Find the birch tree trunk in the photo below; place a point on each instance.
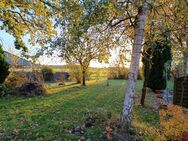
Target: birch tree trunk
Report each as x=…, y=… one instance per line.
x=126, y=114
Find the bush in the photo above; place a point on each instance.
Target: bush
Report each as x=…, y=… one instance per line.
x=18, y=78
x=4, y=66
x=15, y=79
x=7, y=91
x=23, y=84
x=47, y=73
x=3, y=90
x=74, y=72
x=118, y=73
x=122, y=73
x=32, y=89
x=27, y=89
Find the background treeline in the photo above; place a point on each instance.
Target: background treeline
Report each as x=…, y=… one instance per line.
x=122, y=73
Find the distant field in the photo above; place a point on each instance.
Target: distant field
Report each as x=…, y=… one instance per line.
x=51, y=117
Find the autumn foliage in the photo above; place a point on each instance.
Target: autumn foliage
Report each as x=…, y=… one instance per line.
x=174, y=123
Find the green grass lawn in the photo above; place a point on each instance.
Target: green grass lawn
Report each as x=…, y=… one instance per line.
x=50, y=117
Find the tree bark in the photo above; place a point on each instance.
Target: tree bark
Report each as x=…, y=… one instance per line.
x=144, y=89
x=126, y=114
x=83, y=77
x=146, y=77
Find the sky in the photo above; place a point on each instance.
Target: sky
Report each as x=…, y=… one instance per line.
x=7, y=41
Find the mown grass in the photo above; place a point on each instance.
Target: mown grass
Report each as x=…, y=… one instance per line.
x=50, y=117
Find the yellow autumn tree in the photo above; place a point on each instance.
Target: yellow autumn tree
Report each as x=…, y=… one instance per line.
x=25, y=17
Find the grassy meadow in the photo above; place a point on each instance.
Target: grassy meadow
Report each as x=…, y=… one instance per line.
x=53, y=116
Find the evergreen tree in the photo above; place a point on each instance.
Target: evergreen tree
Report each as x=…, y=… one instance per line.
x=4, y=66
x=155, y=60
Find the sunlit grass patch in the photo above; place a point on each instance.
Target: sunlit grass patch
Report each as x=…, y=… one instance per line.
x=53, y=88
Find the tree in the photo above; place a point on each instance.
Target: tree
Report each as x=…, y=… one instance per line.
x=4, y=66
x=82, y=38
x=129, y=17
x=172, y=14
x=180, y=31
x=157, y=62
x=90, y=46
x=22, y=17
x=126, y=115
x=169, y=15
x=161, y=57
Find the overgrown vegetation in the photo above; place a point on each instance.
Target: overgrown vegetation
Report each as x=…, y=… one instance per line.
x=74, y=72
x=122, y=73
x=47, y=73
x=7, y=91
x=15, y=79
x=20, y=83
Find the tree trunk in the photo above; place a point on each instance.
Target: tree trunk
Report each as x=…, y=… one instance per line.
x=146, y=77
x=126, y=114
x=83, y=77
x=143, y=93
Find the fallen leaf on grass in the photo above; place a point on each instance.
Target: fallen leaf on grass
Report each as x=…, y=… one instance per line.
x=109, y=132
x=21, y=120
x=82, y=138
x=15, y=132
x=1, y=134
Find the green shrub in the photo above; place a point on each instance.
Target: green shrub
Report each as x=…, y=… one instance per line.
x=74, y=72
x=17, y=78
x=118, y=73
x=47, y=73
x=32, y=89
x=7, y=91
x=4, y=66
x=3, y=90
x=122, y=73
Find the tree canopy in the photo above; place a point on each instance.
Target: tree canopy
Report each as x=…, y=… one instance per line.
x=22, y=17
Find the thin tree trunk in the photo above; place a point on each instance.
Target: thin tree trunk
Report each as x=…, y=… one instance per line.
x=185, y=59
x=83, y=77
x=126, y=115
x=146, y=77
x=143, y=93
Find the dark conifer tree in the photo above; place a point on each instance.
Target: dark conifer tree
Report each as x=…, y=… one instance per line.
x=156, y=56
x=4, y=66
